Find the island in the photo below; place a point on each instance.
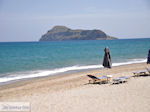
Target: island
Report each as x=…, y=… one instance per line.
x=61, y=33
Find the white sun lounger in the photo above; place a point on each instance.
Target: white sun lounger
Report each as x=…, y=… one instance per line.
x=122, y=79
x=140, y=73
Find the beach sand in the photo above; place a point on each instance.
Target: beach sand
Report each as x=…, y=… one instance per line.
x=72, y=93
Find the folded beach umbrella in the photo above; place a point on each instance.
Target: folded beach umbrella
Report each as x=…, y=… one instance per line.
x=107, y=58
x=148, y=58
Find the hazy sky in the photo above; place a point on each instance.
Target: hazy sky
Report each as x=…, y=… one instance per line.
x=27, y=20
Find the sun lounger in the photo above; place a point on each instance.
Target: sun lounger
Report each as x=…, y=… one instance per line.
x=100, y=80
x=122, y=79
x=140, y=73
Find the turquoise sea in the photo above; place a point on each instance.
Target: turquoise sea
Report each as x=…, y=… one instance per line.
x=22, y=60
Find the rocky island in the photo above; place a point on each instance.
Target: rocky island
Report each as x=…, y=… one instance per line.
x=60, y=33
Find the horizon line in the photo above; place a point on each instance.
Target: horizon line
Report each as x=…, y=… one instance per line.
x=69, y=40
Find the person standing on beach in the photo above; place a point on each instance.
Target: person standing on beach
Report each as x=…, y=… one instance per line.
x=148, y=58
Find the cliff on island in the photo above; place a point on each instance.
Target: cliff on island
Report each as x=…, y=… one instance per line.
x=60, y=33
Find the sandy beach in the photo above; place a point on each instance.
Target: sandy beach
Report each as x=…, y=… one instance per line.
x=72, y=93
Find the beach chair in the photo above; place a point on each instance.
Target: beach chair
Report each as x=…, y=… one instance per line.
x=100, y=80
x=121, y=79
x=140, y=73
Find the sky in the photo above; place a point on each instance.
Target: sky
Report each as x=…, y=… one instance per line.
x=28, y=20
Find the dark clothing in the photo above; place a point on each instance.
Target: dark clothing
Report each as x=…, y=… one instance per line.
x=107, y=59
x=148, y=58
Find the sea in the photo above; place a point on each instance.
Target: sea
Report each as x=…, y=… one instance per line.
x=26, y=60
